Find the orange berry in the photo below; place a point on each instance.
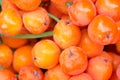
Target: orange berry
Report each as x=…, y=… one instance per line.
x=107, y=55
x=91, y=49
x=6, y=56
x=81, y=12
x=7, y=75
x=53, y=10
x=10, y=22
x=109, y=8
x=30, y=73
x=100, y=68
x=22, y=57
x=7, y=4
x=102, y=30
x=45, y=54
x=66, y=34
x=73, y=60
x=61, y=5
x=26, y=5
x=36, y=21
x=56, y=73
x=14, y=42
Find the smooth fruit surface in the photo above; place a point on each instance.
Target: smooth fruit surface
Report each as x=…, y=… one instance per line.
x=28, y=5
x=30, y=73
x=45, y=54
x=73, y=60
x=10, y=22
x=102, y=30
x=66, y=34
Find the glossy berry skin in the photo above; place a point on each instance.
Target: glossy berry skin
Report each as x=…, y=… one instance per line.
x=26, y=5
x=36, y=21
x=7, y=75
x=10, y=22
x=102, y=30
x=109, y=8
x=66, y=34
x=30, y=73
x=81, y=12
x=73, y=60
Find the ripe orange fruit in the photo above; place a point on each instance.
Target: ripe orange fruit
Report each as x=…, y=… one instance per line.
x=102, y=30
x=6, y=56
x=14, y=42
x=100, y=68
x=45, y=54
x=56, y=73
x=107, y=55
x=53, y=10
x=66, y=34
x=7, y=75
x=10, y=22
x=30, y=73
x=91, y=49
x=22, y=57
x=36, y=21
x=7, y=4
x=109, y=8
x=81, y=12
x=82, y=76
x=28, y=5
x=73, y=60
x=61, y=5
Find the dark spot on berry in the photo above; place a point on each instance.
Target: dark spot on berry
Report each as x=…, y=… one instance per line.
x=45, y=23
x=70, y=53
x=67, y=22
x=35, y=58
x=106, y=60
x=107, y=36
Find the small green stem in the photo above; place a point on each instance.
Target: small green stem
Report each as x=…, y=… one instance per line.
x=17, y=76
x=45, y=34
x=69, y=3
x=0, y=2
x=53, y=17
x=0, y=5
